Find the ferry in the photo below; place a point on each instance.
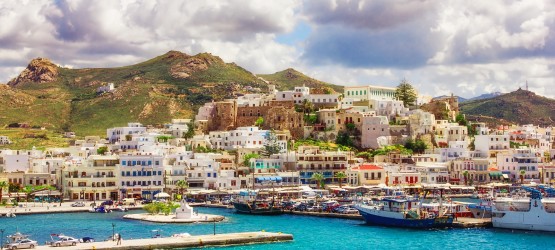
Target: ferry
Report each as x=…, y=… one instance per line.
x=527, y=213
x=404, y=211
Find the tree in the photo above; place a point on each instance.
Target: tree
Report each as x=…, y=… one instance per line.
x=102, y=150
x=259, y=122
x=307, y=106
x=522, y=173
x=319, y=178
x=461, y=120
x=3, y=185
x=406, y=93
x=340, y=176
x=343, y=138
x=190, y=131
x=417, y=146
x=271, y=146
x=247, y=158
x=182, y=184
x=465, y=174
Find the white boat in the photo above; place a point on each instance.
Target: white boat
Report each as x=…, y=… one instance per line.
x=526, y=213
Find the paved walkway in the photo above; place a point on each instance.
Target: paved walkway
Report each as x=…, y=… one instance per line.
x=43, y=208
x=182, y=242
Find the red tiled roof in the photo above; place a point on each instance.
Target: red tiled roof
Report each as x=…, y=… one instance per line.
x=369, y=167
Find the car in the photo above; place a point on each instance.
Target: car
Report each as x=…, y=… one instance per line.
x=24, y=243
x=65, y=241
x=316, y=208
x=349, y=210
x=146, y=201
x=107, y=203
x=78, y=204
x=87, y=239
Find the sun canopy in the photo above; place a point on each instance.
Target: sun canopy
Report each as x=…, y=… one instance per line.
x=269, y=178
x=162, y=195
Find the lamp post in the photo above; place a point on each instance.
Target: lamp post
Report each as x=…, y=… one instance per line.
x=113, y=230
x=2, y=239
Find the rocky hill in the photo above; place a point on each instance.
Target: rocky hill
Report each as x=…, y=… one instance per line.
x=290, y=78
x=169, y=86
x=519, y=107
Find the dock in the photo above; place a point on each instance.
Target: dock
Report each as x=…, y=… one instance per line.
x=182, y=242
x=465, y=222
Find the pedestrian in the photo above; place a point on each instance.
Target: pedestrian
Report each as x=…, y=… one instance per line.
x=119, y=239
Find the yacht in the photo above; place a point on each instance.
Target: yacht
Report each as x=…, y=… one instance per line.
x=527, y=213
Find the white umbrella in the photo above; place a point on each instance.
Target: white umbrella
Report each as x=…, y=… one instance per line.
x=162, y=195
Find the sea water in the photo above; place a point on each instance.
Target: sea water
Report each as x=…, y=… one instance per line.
x=308, y=232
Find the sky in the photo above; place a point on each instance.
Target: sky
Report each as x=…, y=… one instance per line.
x=441, y=47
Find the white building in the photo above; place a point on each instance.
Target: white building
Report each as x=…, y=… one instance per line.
x=370, y=93
x=124, y=133
x=142, y=175
x=4, y=140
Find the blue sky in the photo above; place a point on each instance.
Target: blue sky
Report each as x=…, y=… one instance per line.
x=440, y=46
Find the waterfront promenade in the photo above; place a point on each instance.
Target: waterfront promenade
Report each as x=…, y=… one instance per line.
x=46, y=208
x=183, y=242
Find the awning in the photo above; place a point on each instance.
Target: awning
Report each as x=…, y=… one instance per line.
x=269, y=178
x=506, y=176
x=495, y=174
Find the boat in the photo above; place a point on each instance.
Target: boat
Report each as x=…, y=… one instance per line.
x=404, y=211
x=17, y=236
x=249, y=203
x=100, y=209
x=533, y=212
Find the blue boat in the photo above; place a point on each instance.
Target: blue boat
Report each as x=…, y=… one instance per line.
x=403, y=212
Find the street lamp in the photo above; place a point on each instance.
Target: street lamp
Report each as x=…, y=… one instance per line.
x=1, y=239
x=113, y=230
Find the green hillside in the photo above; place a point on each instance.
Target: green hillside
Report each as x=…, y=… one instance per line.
x=290, y=78
x=153, y=92
x=519, y=107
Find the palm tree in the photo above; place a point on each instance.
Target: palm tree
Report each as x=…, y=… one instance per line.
x=3, y=185
x=340, y=176
x=522, y=172
x=465, y=174
x=319, y=178
x=182, y=184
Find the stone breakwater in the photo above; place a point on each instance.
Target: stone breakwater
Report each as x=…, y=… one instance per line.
x=184, y=242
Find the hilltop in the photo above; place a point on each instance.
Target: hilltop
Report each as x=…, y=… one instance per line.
x=519, y=107
x=290, y=78
x=172, y=85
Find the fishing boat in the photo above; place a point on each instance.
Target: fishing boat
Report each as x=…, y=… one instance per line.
x=404, y=211
x=249, y=203
x=533, y=212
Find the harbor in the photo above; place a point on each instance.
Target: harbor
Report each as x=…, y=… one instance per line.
x=316, y=232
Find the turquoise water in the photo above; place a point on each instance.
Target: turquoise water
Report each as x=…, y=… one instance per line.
x=308, y=232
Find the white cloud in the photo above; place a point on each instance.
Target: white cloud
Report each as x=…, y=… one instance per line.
x=441, y=46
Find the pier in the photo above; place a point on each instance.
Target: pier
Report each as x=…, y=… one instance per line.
x=183, y=242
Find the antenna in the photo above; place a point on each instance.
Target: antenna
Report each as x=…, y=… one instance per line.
x=526, y=85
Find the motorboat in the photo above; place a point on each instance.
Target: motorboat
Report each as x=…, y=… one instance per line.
x=248, y=203
x=405, y=211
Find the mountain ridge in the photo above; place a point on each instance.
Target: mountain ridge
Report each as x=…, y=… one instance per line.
x=172, y=85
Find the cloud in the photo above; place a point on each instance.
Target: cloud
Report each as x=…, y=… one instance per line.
x=441, y=46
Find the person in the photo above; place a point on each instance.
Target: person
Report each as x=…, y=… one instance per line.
x=119, y=239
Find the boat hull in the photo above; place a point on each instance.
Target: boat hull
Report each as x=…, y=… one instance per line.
x=246, y=208
x=376, y=219
x=536, y=219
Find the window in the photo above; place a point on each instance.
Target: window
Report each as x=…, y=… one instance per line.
x=123, y=163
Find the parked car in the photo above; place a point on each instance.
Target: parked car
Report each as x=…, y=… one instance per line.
x=87, y=239
x=24, y=243
x=316, y=208
x=78, y=204
x=107, y=203
x=349, y=210
x=146, y=201
x=65, y=241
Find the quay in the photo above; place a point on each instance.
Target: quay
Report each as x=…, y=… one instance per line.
x=30, y=208
x=183, y=242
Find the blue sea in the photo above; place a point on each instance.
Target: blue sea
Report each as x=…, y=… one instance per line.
x=308, y=232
